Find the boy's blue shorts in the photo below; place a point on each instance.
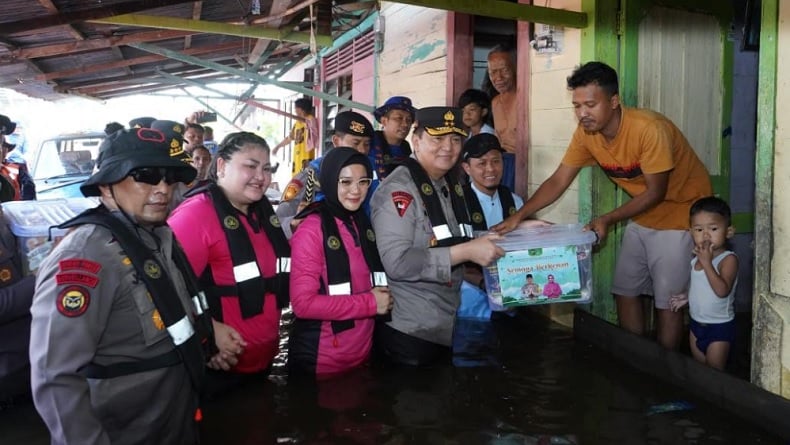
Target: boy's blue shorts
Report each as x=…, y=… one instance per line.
x=708, y=333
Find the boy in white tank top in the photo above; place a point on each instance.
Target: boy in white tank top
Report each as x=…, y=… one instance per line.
x=714, y=277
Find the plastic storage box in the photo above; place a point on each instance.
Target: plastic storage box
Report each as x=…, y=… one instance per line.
x=30, y=222
x=542, y=265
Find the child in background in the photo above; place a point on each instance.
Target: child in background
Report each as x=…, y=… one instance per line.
x=714, y=277
x=477, y=112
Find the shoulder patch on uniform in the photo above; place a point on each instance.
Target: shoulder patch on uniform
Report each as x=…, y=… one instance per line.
x=292, y=190
x=73, y=301
x=401, y=201
x=79, y=264
x=6, y=274
x=82, y=279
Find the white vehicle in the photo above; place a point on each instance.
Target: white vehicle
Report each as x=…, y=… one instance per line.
x=64, y=162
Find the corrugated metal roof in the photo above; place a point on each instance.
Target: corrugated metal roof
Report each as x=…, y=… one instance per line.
x=52, y=48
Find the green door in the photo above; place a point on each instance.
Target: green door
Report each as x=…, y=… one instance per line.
x=675, y=61
x=678, y=62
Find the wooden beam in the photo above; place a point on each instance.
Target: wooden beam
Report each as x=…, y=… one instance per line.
x=116, y=51
x=49, y=6
x=460, y=49
x=120, y=92
x=197, y=12
x=203, y=26
x=109, y=82
x=264, y=45
x=60, y=49
x=137, y=77
x=509, y=11
x=764, y=201
x=279, y=12
x=523, y=76
x=32, y=25
x=135, y=61
x=252, y=76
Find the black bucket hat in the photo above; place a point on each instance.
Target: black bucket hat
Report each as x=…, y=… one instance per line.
x=127, y=150
x=141, y=122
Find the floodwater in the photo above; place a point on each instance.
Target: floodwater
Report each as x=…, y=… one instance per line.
x=516, y=381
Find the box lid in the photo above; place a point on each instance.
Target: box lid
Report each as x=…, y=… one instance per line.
x=34, y=218
x=552, y=235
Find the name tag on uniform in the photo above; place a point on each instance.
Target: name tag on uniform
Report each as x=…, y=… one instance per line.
x=244, y=272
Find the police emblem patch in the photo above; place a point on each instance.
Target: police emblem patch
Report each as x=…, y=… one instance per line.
x=459, y=190
x=73, y=301
x=371, y=236
x=274, y=220
x=333, y=242
x=292, y=190
x=5, y=274
x=426, y=189
x=357, y=127
x=231, y=222
x=477, y=218
x=401, y=201
x=449, y=119
x=152, y=269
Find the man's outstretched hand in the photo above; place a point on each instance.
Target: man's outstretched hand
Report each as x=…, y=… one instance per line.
x=508, y=225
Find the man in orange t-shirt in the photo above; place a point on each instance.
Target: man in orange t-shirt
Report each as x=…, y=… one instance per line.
x=644, y=153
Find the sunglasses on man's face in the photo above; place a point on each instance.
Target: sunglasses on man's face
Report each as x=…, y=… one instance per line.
x=153, y=175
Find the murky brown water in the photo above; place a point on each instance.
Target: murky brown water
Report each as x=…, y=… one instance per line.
x=521, y=381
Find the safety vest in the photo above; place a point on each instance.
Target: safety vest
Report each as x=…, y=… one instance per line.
x=476, y=210
x=441, y=229
x=250, y=284
x=189, y=337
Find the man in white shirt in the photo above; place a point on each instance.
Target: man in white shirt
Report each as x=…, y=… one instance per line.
x=489, y=202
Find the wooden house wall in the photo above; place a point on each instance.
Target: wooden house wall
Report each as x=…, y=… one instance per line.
x=552, y=121
x=413, y=61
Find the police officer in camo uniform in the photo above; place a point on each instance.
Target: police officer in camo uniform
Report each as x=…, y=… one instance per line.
x=118, y=333
x=423, y=233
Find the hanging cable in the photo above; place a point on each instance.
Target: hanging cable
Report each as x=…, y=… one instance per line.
x=313, y=44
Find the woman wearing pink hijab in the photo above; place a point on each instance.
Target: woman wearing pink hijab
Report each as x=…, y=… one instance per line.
x=552, y=289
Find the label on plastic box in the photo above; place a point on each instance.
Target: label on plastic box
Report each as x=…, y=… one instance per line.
x=535, y=276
